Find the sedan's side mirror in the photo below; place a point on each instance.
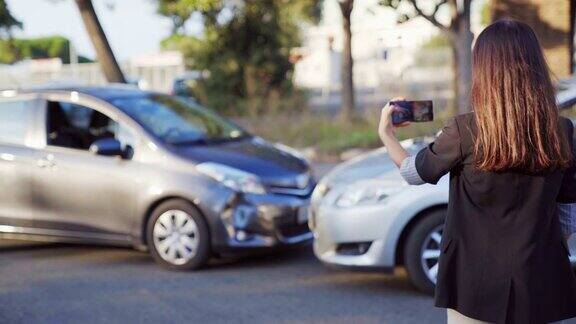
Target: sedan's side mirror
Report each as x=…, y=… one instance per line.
x=107, y=147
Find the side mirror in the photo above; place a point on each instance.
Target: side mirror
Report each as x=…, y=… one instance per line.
x=107, y=147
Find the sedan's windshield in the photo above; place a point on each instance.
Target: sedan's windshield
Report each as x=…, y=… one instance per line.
x=178, y=120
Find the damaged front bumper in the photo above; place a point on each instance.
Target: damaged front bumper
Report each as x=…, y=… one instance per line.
x=257, y=222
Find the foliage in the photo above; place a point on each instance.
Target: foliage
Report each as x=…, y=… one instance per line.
x=245, y=46
x=179, y=11
x=328, y=135
x=7, y=21
x=485, y=13
x=35, y=48
x=7, y=24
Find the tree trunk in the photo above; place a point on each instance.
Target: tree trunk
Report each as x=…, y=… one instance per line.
x=462, y=56
x=461, y=39
x=347, y=77
x=455, y=104
x=104, y=53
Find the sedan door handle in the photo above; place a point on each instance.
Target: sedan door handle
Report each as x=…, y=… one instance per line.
x=46, y=162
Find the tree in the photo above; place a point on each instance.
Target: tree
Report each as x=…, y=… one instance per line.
x=245, y=45
x=15, y=49
x=179, y=11
x=347, y=75
x=104, y=53
x=458, y=33
x=7, y=24
x=7, y=21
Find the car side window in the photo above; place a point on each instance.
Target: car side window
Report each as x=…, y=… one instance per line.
x=75, y=126
x=16, y=118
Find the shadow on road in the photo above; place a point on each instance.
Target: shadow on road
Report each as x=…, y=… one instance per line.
x=27, y=246
x=267, y=258
x=68, y=254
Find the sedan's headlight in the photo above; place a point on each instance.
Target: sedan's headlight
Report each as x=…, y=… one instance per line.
x=231, y=177
x=366, y=194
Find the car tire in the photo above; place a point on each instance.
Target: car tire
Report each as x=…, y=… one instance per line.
x=424, y=237
x=178, y=236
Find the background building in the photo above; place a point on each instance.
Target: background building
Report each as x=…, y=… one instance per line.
x=553, y=21
x=387, y=56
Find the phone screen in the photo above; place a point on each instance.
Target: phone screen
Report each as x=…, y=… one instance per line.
x=412, y=111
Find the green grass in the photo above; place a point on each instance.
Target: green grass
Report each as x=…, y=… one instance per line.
x=329, y=136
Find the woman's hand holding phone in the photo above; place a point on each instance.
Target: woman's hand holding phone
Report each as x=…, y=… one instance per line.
x=386, y=132
x=385, y=127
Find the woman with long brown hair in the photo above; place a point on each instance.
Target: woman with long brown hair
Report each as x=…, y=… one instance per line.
x=503, y=255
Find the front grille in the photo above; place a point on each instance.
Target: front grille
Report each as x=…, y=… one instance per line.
x=294, y=230
x=305, y=192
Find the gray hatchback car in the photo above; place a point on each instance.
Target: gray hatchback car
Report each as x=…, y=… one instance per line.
x=122, y=166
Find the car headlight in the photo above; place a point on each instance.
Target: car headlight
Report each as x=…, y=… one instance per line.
x=366, y=194
x=232, y=178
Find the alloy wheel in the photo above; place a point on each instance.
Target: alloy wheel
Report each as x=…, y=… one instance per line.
x=430, y=253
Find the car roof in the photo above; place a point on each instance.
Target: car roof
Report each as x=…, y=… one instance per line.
x=106, y=93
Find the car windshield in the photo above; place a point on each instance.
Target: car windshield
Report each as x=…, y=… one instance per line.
x=177, y=120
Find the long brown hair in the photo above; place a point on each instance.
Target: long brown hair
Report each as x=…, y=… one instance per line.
x=513, y=99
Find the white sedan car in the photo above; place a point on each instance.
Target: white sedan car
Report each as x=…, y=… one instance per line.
x=364, y=215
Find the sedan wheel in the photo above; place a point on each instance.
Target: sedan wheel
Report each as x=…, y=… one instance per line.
x=431, y=253
x=422, y=250
x=178, y=236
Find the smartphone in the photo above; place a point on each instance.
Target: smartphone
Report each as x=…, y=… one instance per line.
x=412, y=111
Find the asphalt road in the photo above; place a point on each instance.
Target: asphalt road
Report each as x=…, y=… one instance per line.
x=57, y=283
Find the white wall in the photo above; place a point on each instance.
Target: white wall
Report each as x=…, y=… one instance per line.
x=379, y=53
x=154, y=72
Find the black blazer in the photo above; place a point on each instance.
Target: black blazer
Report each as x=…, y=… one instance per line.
x=503, y=258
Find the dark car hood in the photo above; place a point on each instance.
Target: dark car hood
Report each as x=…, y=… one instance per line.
x=271, y=163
